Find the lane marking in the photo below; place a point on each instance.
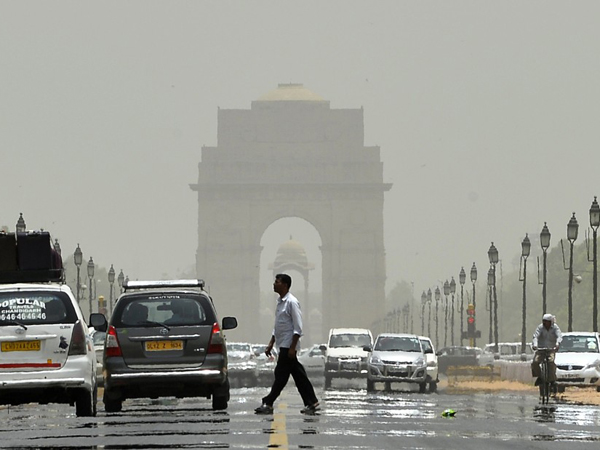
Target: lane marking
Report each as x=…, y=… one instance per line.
x=279, y=437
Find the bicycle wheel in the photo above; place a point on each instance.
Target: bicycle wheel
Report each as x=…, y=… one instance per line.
x=545, y=384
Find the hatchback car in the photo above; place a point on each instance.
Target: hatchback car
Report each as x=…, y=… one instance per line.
x=396, y=358
x=46, y=352
x=313, y=360
x=164, y=340
x=432, y=363
x=98, y=338
x=242, y=364
x=578, y=360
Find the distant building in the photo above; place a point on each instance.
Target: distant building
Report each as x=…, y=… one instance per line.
x=291, y=155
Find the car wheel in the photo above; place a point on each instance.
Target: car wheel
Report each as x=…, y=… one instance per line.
x=433, y=386
x=327, y=382
x=597, y=388
x=219, y=402
x=112, y=404
x=370, y=386
x=422, y=387
x=85, y=403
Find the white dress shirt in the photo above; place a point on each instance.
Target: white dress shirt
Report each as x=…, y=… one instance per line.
x=288, y=321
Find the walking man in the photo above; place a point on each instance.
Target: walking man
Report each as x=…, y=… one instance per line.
x=287, y=333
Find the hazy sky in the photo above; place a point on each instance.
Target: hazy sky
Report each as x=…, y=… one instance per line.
x=486, y=114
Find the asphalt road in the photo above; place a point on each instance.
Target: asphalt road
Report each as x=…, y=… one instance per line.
x=350, y=419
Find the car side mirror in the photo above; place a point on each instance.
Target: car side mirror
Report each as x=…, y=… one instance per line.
x=323, y=348
x=368, y=348
x=98, y=321
x=438, y=353
x=229, y=323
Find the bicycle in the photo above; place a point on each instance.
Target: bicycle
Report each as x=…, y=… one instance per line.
x=545, y=374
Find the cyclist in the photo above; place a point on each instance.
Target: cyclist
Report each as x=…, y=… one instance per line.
x=546, y=335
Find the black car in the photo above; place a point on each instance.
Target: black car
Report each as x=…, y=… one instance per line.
x=457, y=356
x=164, y=340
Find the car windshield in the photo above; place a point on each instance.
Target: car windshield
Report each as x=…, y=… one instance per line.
x=169, y=310
x=427, y=348
x=349, y=340
x=578, y=344
x=398, y=344
x=35, y=308
x=99, y=337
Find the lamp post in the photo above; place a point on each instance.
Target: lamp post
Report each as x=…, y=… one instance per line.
x=462, y=278
x=437, y=303
x=446, y=293
x=120, y=280
x=493, y=257
x=473, y=276
x=525, y=250
x=111, y=280
x=90, y=272
x=572, y=231
x=429, y=313
x=545, y=243
x=490, y=282
x=423, y=302
x=594, y=223
x=78, y=259
x=452, y=292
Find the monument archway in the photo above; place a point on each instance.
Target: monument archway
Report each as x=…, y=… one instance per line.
x=291, y=155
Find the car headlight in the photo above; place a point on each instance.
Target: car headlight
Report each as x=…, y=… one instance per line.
x=593, y=365
x=375, y=360
x=420, y=362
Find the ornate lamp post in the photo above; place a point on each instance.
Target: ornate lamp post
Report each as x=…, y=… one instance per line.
x=594, y=223
x=572, y=231
x=423, y=302
x=111, y=280
x=490, y=296
x=437, y=304
x=493, y=257
x=446, y=293
x=545, y=243
x=120, y=280
x=462, y=278
x=525, y=250
x=90, y=272
x=452, y=292
x=473, y=276
x=78, y=259
x=429, y=313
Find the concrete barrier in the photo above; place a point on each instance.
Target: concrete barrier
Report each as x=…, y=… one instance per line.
x=515, y=371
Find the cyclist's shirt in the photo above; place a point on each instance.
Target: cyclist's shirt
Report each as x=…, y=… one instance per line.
x=550, y=338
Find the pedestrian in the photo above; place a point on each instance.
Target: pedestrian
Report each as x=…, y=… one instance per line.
x=286, y=333
x=547, y=335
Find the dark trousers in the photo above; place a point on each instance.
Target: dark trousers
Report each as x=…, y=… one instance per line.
x=285, y=367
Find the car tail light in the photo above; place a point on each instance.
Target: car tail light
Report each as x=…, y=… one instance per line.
x=112, y=343
x=215, y=344
x=78, y=344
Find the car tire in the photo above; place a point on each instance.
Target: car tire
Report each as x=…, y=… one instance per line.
x=370, y=386
x=112, y=405
x=327, y=382
x=422, y=387
x=597, y=388
x=85, y=403
x=219, y=402
x=432, y=386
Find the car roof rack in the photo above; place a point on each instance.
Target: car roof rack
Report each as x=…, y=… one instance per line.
x=32, y=276
x=163, y=284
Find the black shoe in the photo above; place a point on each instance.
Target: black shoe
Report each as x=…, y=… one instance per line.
x=264, y=409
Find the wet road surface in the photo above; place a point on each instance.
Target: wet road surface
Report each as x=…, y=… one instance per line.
x=350, y=419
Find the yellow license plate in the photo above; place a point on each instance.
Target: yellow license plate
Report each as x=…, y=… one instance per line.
x=159, y=346
x=21, y=346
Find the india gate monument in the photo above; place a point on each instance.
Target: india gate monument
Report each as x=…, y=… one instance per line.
x=292, y=156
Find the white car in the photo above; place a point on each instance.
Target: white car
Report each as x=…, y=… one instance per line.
x=313, y=360
x=46, y=354
x=345, y=355
x=578, y=360
x=397, y=358
x=98, y=338
x=432, y=363
x=242, y=364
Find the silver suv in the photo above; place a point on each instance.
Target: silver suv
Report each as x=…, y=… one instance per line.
x=164, y=340
x=46, y=353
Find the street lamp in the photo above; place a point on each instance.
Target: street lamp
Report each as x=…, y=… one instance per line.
x=525, y=250
x=437, y=303
x=111, y=280
x=90, y=272
x=78, y=259
x=572, y=231
x=120, y=280
x=473, y=276
x=446, y=293
x=594, y=223
x=423, y=302
x=452, y=291
x=493, y=257
x=490, y=282
x=462, y=278
x=429, y=313
x=545, y=243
